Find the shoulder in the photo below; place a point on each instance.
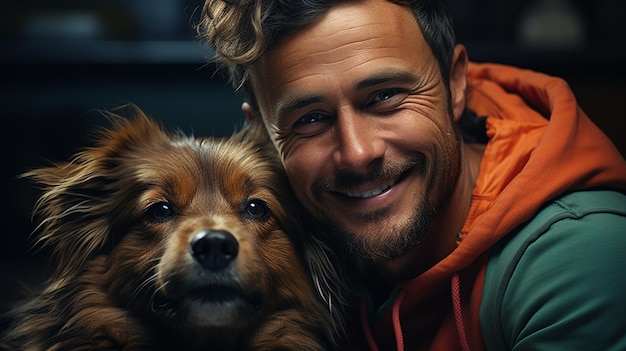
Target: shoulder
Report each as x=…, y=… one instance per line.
x=557, y=281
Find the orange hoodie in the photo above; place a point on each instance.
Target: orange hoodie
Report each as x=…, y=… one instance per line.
x=539, y=140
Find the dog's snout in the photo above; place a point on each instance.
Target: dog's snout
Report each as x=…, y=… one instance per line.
x=214, y=249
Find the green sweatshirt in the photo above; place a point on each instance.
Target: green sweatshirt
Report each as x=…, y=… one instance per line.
x=532, y=297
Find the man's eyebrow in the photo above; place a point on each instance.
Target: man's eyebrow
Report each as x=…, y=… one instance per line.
x=387, y=76
x=295, y=103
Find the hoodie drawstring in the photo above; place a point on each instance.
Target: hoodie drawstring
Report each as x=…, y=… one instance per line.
x=397, y=324
x=458, y=312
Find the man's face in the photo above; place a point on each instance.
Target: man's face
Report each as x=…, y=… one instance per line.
x=356, y=105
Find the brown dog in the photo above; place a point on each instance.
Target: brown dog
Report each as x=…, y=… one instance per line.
x=165, y=241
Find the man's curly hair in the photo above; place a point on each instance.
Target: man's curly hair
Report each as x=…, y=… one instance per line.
x=241, y=31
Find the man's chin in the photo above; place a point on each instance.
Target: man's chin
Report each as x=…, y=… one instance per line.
x=377, y=238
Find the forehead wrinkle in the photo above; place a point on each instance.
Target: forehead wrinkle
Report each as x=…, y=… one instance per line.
x=343, y=52
x=341, y=31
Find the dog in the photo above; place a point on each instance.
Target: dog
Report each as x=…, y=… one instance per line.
x=165, y=241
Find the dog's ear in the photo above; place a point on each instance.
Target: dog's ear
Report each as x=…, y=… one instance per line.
x=81, y=195
x=68, y=213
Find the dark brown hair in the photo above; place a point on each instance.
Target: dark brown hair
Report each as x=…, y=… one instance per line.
x=241, y=31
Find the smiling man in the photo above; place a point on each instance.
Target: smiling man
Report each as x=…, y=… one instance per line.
x=366, y=131
x=457, y=232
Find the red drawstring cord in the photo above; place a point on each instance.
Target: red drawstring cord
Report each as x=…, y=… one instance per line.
x=458, y=313
x=397, y=326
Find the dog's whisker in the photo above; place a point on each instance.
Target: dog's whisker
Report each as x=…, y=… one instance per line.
x=146, y=284
x=330, y=283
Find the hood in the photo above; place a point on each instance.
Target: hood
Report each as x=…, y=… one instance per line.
x=541, y=144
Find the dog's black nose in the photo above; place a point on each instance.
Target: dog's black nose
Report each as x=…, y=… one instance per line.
x=214, y=249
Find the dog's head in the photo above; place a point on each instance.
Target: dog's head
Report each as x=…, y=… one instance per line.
x=193, y=232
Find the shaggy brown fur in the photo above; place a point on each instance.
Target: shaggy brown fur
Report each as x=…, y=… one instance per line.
x=165, y=241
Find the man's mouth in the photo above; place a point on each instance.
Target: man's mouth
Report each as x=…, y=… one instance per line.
x=373, y=192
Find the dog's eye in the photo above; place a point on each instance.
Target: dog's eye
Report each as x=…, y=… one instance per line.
x=159, y=211
x=256, y=209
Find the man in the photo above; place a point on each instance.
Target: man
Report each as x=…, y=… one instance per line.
x=482, y=206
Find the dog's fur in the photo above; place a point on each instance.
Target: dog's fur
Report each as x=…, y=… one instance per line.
x=166, y=241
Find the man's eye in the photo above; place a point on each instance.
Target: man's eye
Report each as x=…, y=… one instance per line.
x=311, y=123
x=312, y=117
x=385, y=95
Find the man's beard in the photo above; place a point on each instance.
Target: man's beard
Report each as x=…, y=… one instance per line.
x=385, y=243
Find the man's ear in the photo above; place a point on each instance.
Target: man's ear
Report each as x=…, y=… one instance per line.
x=247, y=109
x=458, y=81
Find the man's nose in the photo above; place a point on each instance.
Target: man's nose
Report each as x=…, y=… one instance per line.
x=359, y=143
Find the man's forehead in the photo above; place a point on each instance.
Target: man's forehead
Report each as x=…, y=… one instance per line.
x=334, y=43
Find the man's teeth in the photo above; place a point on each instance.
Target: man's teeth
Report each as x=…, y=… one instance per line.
x=373, y=192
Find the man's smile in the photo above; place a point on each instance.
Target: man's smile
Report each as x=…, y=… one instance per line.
x=373, y=192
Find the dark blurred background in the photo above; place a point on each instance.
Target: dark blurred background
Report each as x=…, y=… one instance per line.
x=63, y=60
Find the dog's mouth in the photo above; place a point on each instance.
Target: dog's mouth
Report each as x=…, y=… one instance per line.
x=216, y=294
x=212, y=305
x=209, y=294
